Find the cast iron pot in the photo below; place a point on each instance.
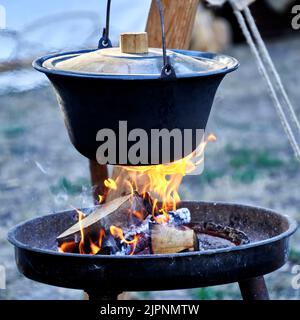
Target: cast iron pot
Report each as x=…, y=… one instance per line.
x=93, y=102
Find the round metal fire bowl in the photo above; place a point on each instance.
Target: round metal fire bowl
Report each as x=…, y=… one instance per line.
x=38, y=259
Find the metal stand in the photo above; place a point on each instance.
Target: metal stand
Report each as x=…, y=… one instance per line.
x=96, y=295
x=254, y=289
x=251, y=289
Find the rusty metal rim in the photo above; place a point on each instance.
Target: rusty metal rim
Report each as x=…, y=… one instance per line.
x=291, y=229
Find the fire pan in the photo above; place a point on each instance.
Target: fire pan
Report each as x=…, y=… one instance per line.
x=106, y=276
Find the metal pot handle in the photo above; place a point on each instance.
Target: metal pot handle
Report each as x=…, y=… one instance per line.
x=167, y=71
x=104, y=42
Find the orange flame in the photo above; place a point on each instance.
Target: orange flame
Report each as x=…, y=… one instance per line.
x=101, y=199
x=162, y=181
x=110, y=183
x=81, y=216
x=117, y=232
x=93, y=248
x=138, y=215
x=68, y=246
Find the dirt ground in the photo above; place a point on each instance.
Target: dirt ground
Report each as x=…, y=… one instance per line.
x=251, y=163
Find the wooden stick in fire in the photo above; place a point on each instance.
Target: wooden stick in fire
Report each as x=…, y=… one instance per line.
x=168, y=239
x=116, y=212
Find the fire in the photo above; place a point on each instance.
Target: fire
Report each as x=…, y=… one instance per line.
x=110, y=183
x=81, y=216
x=82, y=247
x=138, y=215
x=161, y=182
x=101, y=236
x=101, y=199
x=211, y=138
x=117, y=232
x=68, y=246
x=94, y=248
x=163, y=217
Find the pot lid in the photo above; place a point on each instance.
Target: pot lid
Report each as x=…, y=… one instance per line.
x=133, y=58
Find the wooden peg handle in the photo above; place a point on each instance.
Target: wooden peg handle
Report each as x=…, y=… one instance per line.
x=134, y=42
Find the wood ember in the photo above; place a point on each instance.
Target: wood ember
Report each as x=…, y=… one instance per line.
x=117, y=212
x=147, y=250
x=143, y=233
x=231, y=234
x=180, y=216
x=167, y=239
x=207, y=242
x=148, y=234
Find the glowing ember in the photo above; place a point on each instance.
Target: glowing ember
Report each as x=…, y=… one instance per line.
x=82, y=247
x=118, y=233
x=68, y=246
x=138, y=215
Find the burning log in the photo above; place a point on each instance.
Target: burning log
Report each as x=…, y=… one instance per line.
x=212, y=229
x=207, y=242
x=137, y=224
x=121, y=212
x=167, y=239
x=234, y=235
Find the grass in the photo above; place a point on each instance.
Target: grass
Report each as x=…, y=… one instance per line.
x=209, y=175
x=208, y=294
x=13, y=132
x=260, y=159
x=245, y=165
x=294, y=256
x=69, y=187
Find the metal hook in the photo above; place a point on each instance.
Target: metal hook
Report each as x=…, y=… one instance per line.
x=167, y=70
x=104, y=42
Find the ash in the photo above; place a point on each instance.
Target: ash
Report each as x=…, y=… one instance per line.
x=180, y=216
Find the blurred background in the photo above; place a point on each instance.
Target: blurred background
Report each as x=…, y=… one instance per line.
x=40, y=172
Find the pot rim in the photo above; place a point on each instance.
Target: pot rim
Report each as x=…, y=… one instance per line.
x=233, y=64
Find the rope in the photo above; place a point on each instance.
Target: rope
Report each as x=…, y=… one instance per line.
x=268, y=61
x=264, y=73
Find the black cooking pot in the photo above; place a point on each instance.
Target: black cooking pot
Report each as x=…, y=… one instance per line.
x=157, y=89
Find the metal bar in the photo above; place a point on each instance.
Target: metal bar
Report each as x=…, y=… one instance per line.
x=167, y=71
x=106, y=35
x=95, y=295
x=163, y=33
x=99, y=173
x=254, y=289
x=105, y=42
